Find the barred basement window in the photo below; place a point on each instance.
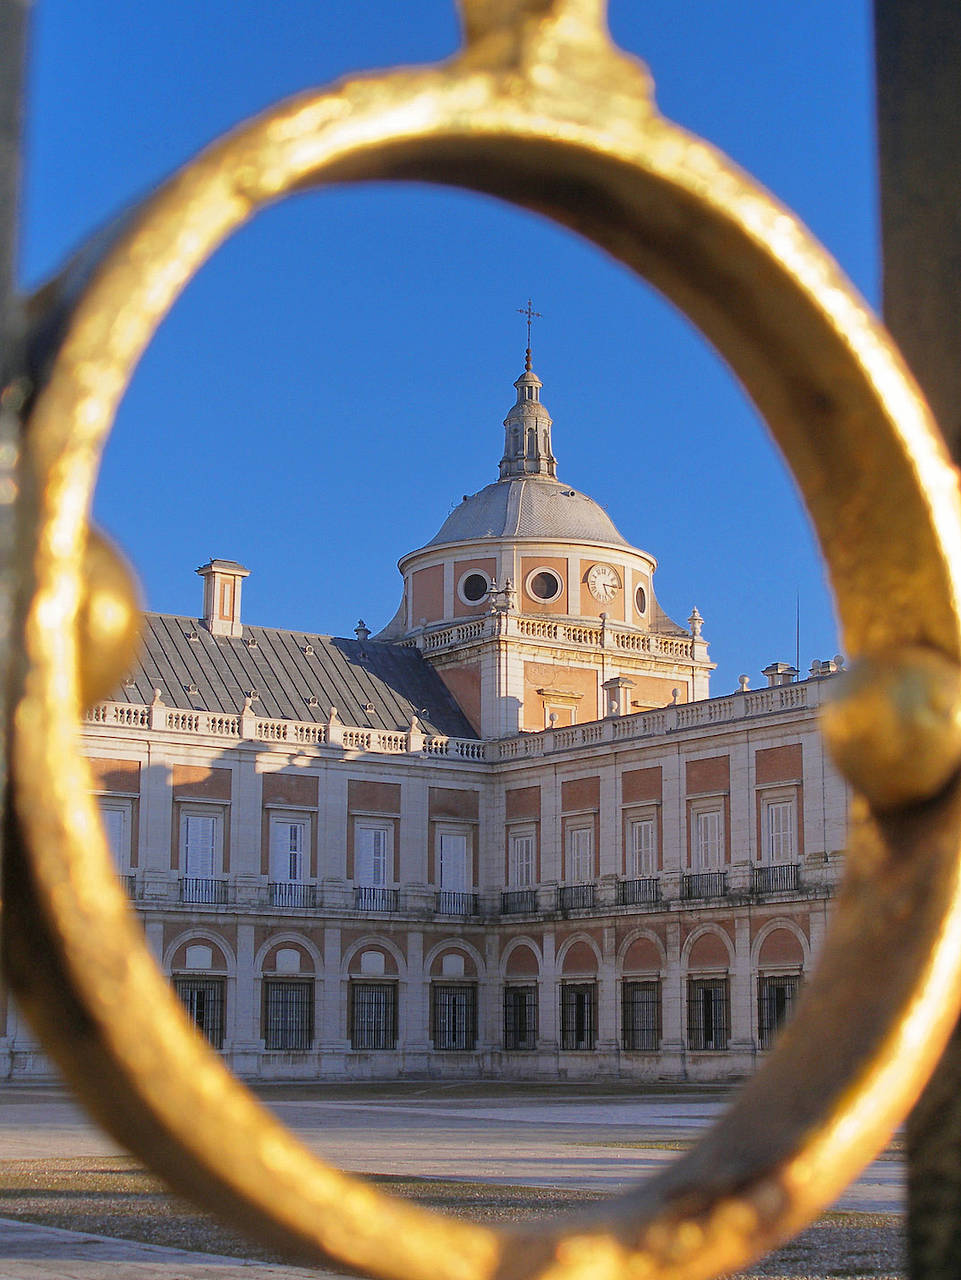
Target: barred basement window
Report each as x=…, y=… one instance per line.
x=708, y=1013
x=641, y=1015
x=453, y=1016
x=578, y=1015
x=288, y=1014
x=203, y=998
x=372, y=1015
x=775, y=1004
x=520, y=1017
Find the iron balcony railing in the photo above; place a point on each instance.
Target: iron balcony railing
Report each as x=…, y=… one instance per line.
x=632, y=893
x=704, y=884
x=518, y=901
x=453, y=902
x=285, y=893
x=197, y=889
x=374, y=898
x=777, y=879
x=573, y=897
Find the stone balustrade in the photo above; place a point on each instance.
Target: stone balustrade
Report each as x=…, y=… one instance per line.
x=603, y=635
x=645, y=724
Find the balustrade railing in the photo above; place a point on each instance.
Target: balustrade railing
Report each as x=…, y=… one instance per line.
x=518, y=901
x=781, y=878
x=633, y=893
x=374, y=898
x=704, y=884
x=575, y=897
x=202, y=890
x=452, y=902
x=645, y=724
x=285, y=893
x=299, y=732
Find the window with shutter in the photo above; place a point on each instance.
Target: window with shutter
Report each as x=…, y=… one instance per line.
x=371, y=854
x=201, y=837
x=580, y=854
x=780, y=827
x=116, y=822
x=453, y=862
x=708, y=836
x=643, y=848
x=521, y=860
x=288, y=843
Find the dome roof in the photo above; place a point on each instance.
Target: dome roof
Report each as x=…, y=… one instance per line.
x=529, y=507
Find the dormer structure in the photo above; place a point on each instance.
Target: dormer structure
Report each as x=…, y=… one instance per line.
x=528, y=601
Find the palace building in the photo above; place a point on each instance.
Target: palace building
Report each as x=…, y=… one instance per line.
x=512, y=835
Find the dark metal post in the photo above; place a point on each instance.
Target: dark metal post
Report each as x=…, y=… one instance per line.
x=918, y=61
x=13, y=35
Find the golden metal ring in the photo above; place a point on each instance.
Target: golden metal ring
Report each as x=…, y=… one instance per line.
x=541, y=110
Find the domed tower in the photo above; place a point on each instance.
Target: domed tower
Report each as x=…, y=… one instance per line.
x=534, y=609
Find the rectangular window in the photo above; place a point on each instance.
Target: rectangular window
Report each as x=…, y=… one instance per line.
x=454, y=877
x=580, y=854
x=643, y=859
x=780, y=825
x=372, y=854
x=288, y=1014
x=453, y=1016
x=578, y=1015
x=521, y=860
x=372, y=1015
x=203, y=998
x=641, y=1015
x=775, y=1004
x=520, y=1018
x=200, y=844
x=708, y=839
x=288, y=847
x=708, y=1013
x=116, y=824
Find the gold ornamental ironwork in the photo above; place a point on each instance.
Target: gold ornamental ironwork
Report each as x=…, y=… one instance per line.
x=542, y=110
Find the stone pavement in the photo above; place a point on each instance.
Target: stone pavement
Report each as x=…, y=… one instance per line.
x=29, y=1252
x=544, y=1137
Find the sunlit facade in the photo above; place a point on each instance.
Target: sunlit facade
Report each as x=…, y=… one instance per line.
x=511, y=835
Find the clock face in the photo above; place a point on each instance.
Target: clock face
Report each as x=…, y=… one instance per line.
x=603, y=583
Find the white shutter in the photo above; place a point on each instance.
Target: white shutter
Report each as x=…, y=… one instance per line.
x=287, y=843
x=521, y=866
x=708, y=840
x=582, y=854
x=115, y=826
x=370, y=856
x=453, y=862
x=642, y=848
x=780, y=831
x=200, y=837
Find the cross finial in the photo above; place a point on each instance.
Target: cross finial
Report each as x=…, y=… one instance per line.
x=532, y=315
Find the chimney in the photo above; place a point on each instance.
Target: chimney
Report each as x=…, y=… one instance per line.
x=223, y=580
x=779, y=673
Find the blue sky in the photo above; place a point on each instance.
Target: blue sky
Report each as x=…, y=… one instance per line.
x=337, y=376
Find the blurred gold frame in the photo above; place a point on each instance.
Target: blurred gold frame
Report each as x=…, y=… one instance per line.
x=539, y=109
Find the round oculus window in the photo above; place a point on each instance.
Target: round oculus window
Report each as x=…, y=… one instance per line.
x=474, y=587
x=544, y=584
x=640, y=599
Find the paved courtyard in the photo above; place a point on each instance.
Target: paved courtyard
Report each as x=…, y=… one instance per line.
x=549, y=1137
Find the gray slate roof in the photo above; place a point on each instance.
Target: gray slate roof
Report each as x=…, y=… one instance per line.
x=534, y=507
x=346, y=674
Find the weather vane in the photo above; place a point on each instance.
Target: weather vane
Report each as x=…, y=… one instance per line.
x=532, y=315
